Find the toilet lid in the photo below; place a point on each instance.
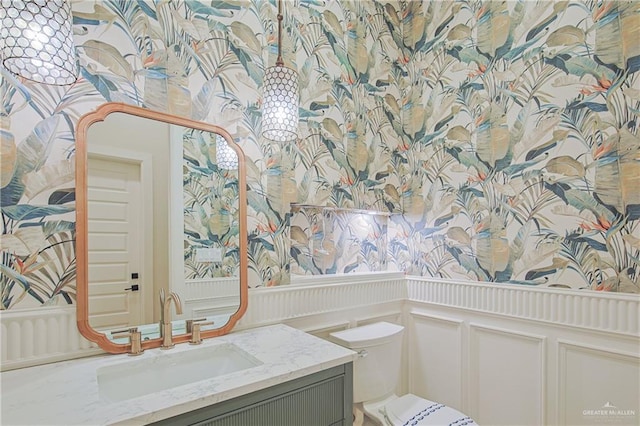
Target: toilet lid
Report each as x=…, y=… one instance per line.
x=411, y=410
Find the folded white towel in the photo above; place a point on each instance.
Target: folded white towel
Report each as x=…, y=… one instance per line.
x=411, y=410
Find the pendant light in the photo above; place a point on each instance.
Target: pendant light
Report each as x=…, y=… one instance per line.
x=280, y=97
x=226, y=157
x=36, y=40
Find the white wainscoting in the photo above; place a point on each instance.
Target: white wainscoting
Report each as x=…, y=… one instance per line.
x=40, y=336
x=318, y=301
x=199, y=300
x=503, y=354
x=318, y=305
x=512, y=355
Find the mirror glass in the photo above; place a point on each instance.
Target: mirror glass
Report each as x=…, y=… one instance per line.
x=163, y=206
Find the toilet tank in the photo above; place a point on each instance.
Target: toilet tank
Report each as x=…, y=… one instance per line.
x=377, y=369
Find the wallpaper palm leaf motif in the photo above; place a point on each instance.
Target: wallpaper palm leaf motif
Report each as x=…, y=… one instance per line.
x=211, y=210
x=326, y=240
x=502, y=136
x=532, y=103
x=38, y=259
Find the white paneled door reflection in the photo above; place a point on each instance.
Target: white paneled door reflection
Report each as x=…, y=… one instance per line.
x=115, y=242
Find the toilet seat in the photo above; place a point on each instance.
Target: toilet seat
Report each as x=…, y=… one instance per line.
x=411, y=410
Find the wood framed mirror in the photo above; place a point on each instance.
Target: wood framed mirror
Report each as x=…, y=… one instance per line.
x=161, y=206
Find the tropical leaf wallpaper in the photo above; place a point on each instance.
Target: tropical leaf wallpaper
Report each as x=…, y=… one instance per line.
x=329, y=240
x=523, y=161
x=502, y=137
x=210, y=200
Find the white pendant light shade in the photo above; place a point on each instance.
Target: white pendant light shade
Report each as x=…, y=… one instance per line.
x=280, y=104
x=280, y=97
x=226, y=157
x=36, y=40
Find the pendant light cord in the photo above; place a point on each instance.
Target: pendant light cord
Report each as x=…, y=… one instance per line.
x=279, y=61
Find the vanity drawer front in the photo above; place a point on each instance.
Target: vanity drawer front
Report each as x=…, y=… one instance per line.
x=320, y=404
x=321, y=399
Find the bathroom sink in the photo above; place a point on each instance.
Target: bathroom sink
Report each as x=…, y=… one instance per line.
x=147, y=375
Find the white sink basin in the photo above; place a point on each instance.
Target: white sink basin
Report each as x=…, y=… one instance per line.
x=147, y=375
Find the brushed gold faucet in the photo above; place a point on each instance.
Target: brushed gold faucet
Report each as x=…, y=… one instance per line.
x=166, y=328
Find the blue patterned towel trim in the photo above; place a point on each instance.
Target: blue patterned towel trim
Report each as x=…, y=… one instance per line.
x=463, y=422
x=415, y=420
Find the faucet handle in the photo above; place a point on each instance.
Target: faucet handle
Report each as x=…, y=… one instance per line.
x=196, y=328
x=189, y=323
x=135, y=339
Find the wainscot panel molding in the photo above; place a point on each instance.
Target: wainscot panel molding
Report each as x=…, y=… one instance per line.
x=319, y=306
x=617, y=313
x=606, y=368
x=441, y=363
x=507, y=376
x=198, y=301
x=321, y=294
x=482, y=348
x=527, y=356
x=41, y=336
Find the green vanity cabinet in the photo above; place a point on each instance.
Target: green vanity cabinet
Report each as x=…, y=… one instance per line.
x=321, y=399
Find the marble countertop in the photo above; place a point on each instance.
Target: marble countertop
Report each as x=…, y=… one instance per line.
x=66, y=393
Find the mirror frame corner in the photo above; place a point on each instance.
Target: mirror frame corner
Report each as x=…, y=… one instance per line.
x=82, y=258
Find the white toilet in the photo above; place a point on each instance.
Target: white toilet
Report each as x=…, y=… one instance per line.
x=376, y=373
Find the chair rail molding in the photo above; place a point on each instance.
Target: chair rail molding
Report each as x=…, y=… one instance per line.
x=617, y=313
x=322, y=294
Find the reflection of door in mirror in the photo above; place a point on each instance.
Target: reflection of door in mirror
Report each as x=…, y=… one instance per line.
x=115, y=215
x=161, y=206
x=128, y=214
